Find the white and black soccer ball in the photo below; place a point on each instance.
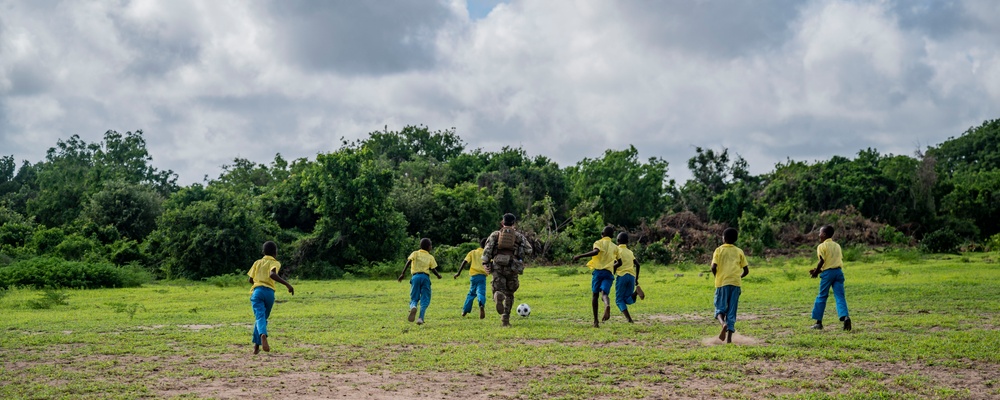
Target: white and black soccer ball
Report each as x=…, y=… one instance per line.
x=523, y=310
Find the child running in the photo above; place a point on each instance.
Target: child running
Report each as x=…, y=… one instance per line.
x=831, y=275
x=477, y=280
x=627, y=283
x=420, y=262
x=263, y=274
x=726, y=264
x=602, y=262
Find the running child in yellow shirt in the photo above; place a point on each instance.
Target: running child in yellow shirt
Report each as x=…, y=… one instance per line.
x=263, y=274
x=627, y=283
x=727, y=261
x=602, y=262
x=420, y=262
x=477, y=280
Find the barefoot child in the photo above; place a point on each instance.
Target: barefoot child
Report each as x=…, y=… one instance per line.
x=477, y=280
x=831, y=275
x=263, y=274
x=627, y=283
x=602, y=262
x=420, y=262
x=726, y=264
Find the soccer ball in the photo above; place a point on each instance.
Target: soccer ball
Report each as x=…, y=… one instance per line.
x=523, y=310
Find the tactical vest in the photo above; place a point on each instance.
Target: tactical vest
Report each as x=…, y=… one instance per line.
x=506, y=241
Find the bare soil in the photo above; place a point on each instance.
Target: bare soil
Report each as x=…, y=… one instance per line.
x=321, y=376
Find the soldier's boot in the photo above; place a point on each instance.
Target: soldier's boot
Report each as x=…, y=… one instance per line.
x=499, y=298
x=506, y=320
x=508, y=304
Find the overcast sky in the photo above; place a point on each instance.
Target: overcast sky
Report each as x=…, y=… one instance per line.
x=211, y=80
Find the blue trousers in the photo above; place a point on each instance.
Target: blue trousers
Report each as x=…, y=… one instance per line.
x=727, y=299
x=261, y=300
x=420, y=292
x=831, y=278
x=601, y=281
x=477, y=289
x=624, y=287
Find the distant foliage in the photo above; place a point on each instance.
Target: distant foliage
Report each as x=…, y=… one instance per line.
x=941, y=241
x=46, y=272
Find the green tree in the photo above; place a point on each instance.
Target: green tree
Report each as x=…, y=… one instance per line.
x=627, y=190
x=350, y=191
x=206, y=232
x=131, y=209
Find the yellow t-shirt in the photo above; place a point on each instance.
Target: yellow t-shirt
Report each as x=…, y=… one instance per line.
x=475, y=260
x=729, y=261
x=261, y=272
x=605, y=258
x=831, y=254
x=421, y=261
x=628, y=261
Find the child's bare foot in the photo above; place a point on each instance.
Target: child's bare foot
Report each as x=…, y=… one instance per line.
x=597, y=324
x=607, y=313
x=729, y=337
x=420, y=321
x=256, y=348
x=721, y=318
x=464, y=313
x=722, y=335
x=413, y=314
x=482, y=312
x=263, y=343
x=847, y=323
x=638, y=291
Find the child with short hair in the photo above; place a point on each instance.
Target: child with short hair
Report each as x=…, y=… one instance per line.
x=263, y=274
x=727, y=260
x=831, y=274
x=627, y=283
x=420, y=262
x=602, y=262
x=477, y=280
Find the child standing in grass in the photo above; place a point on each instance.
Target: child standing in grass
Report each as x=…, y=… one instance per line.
x=602, y=262
x=727, y=261
x=627, y=284
x=420, y=262
x=263, y=274
x=477, y=280
x=831, y=275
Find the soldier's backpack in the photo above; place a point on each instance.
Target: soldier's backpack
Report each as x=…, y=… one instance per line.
x=507, y=239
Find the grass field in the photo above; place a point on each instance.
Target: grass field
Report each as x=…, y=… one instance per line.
x=924, y=327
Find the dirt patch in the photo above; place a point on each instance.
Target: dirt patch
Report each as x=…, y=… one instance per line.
x=199, y=327
x=326, y=374
x=738, y=339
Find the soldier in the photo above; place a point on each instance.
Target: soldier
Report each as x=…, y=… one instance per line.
x=503, y=258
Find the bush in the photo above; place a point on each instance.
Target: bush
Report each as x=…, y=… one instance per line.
x=48, y=272
x=48, y=299
x=891, y=236
x=993, y=244
x=941, y=241
x=235, y=279
x=656, y=252
x=853, y=253
x=450, y=257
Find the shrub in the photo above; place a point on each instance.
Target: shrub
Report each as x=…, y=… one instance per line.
x=48, y=272
x=48, y=299
x=891, y=236
x=656, y=252
x=853, y=253
x=993, y=244
x=941, y=241
x=450, y=257
x=228, y=280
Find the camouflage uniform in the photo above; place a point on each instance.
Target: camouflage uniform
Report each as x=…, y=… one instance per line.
x=505, y=277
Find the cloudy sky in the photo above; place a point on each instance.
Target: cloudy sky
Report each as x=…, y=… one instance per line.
x=208, y=81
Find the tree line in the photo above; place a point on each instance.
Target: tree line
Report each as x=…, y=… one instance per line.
x=360, y=208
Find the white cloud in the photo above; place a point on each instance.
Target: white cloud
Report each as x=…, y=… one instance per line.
x=209, y=81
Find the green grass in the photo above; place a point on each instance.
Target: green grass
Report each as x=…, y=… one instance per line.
x=924, y=328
